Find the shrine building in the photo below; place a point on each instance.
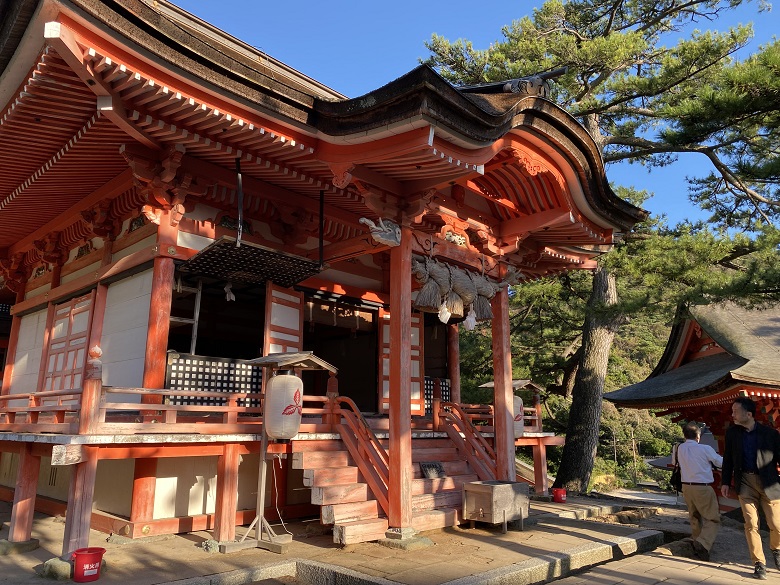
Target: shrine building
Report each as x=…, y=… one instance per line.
x=176, y=206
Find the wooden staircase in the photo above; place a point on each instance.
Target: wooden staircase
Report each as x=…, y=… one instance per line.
x=347, y=502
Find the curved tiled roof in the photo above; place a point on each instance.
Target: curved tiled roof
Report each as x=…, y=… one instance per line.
x=750, y=338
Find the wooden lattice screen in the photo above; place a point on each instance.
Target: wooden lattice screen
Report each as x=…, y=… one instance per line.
x=195, y=373
x=445, y=392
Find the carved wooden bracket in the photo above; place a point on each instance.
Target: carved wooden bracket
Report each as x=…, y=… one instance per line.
x=415, y=207
x=99, y=220
x=454, y=230
x=158, y=181
x=51, y=250
x=458, y=193
x=342, y=174
x=13, y=271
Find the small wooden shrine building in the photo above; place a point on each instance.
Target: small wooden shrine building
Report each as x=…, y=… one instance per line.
x=183, y=203
x=719, y=352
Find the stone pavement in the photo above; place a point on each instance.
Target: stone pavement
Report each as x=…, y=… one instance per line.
x=556, y=544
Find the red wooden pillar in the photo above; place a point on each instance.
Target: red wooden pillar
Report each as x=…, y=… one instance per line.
x=159, y=324
x=540, y=467
x=24, y=496
x=502, y=392
x=80, y=494
x=400, y=488
x=10, y=355
x=453, y=361
x=227, y=494
x=144, y=483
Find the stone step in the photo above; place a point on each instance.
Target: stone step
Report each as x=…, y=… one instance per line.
x=339, y=494
x=440, y=484
x=359, y=531
x=325, y=476
x=350, y=512
x=435, y=519
x=321, y=459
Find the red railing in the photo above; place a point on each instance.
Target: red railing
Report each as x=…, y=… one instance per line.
x=365, y=449
x=458, y=423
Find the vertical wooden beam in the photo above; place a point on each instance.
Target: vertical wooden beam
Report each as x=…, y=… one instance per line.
x=540, y=467
x=50, y=309
x=91, y=394
x=24, y=495
x=502, y=396
x=159, y=325
x=144, y=483
x=13, y=340
x=227, y=494
x=400, y=488
x=453, y=361
x=80, y=494
x=98, y=315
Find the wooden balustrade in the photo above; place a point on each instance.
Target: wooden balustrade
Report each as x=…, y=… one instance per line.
x=458, y=423
x=367, y=452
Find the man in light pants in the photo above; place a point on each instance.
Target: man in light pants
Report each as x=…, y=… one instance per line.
x=696, y=462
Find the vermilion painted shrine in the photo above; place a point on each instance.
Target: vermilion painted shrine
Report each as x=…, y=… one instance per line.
x=186, y=204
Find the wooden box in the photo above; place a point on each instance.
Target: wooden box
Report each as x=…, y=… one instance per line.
x=495, y=501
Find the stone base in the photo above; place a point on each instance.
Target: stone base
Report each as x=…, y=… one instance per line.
x=414, y=543
x=400, y=533
x=55, y=568
x=60, y=569
x=13, y=548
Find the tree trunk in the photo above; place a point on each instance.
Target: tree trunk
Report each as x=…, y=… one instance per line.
x=582, y=434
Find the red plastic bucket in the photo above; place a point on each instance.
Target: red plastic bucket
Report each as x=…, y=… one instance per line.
x=86, y=564
x=559, y=495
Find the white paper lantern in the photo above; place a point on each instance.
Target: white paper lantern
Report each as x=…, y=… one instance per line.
x=283, y=406
x=518, y=424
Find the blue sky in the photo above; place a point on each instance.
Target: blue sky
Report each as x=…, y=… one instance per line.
x=357, y=47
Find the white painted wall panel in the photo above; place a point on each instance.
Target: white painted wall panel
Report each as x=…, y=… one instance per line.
x=114, y=486
x=124, y=331
x=193, y=241
x=29, y=350
x=186, y=486
x=91, y=269
x=145, y=243
x=54, y=481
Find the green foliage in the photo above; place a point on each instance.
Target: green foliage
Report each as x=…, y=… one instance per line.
x=646, y=102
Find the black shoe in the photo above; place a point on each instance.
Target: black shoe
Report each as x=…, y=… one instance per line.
x=760, y=572
x=776, y=555
x=702, y=553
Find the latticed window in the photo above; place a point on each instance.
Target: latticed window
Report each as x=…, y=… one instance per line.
x=66, y=349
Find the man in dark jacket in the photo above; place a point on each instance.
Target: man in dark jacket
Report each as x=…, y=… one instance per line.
x=751, y=457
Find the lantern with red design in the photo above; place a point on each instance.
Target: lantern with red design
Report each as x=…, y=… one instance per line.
x=283, y=405
x=518, y=413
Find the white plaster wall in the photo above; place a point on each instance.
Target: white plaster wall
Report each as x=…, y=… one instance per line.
x=114, y=486
x=193, y=241
x=124, y=332
x=247, y=482
x=186, y=486
x=29, y=350
x=91, y=269
x=38, y=290
x=145, y=243
x=53, y=481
